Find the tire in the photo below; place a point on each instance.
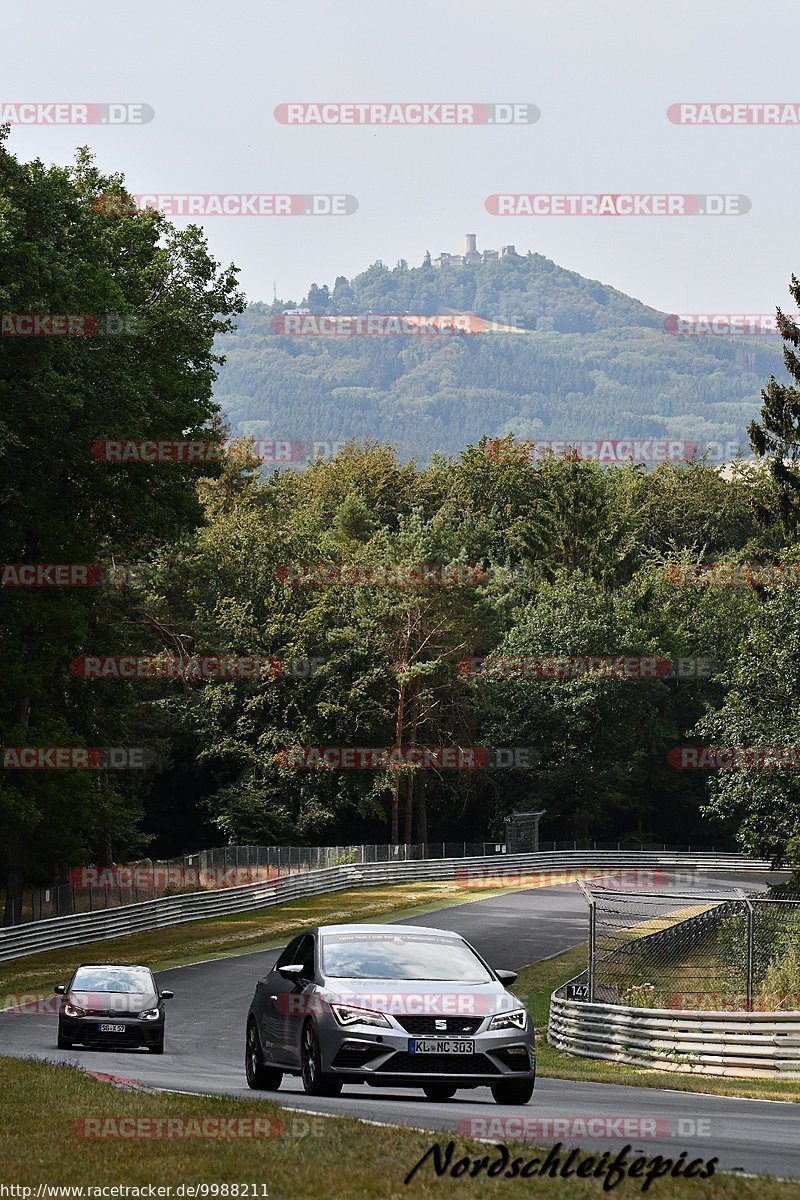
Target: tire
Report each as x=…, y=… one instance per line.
x=314, y=1082
x=63, y=1043
x=157, y=1047
x=439, y=1091
x=513, y=1091
x=259, y=1077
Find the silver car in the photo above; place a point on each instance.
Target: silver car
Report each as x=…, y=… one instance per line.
x=389, y=1005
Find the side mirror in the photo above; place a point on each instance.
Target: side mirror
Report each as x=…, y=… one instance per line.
x=506, y=977
x=291, y=971
x=167, y=995
x=59, y=989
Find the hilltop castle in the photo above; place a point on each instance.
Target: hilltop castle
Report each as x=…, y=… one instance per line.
x=471, y=255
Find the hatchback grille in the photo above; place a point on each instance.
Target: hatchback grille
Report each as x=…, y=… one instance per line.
x=131, y=1037
x=440, y=1064
x=427, y=1026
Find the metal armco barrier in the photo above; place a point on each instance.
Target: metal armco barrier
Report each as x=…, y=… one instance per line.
x=760, y=1045
x=519, y=870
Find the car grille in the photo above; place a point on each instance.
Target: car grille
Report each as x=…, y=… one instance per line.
x=131, y=1037
x=426, y=1026
x=440, y=1064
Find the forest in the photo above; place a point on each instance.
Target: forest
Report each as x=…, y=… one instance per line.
x=357, y=595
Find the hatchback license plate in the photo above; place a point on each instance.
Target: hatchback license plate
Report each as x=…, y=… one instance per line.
x=440, y=1046
x=111, y=1028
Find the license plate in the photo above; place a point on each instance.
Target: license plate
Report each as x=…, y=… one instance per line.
x=440, y=1046
x=111, y=1028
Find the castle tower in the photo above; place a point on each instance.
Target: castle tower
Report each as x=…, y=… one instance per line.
x=471, y=253
x=426, y=262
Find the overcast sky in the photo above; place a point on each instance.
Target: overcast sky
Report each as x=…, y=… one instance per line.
x=602, y=72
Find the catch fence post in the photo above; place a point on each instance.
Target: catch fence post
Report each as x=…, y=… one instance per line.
x=750, y=953
x=590, y=966
x=750, y=947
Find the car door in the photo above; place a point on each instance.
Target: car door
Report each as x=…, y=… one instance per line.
x=301, y=1001
x=272, y=1002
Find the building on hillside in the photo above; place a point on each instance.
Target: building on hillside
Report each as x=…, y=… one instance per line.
x=471, y=257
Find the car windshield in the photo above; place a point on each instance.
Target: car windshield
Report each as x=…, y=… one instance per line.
x=118, y=979
x=392, y=956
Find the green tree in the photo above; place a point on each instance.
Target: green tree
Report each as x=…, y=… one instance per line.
x=776, y=436
x=760, y=709
x=63, y=251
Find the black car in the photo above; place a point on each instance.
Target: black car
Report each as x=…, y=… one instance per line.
x=107, y=1004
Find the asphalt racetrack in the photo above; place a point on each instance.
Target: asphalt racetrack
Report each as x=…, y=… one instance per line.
x=205, y=1047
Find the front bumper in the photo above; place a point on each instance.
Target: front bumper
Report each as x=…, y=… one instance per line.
x=135, y=1031
x=365, y=1054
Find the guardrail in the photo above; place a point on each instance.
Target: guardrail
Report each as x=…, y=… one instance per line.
x=512, y=871
x=760, y=1045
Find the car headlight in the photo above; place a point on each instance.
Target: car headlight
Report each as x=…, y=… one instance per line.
x=347, y=1015
x=515, y=1019
x=149, y=1014
x=72, y=1010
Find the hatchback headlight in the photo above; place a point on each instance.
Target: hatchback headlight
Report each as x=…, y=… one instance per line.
x=149, y=1014
x=347, y=1015
x=72, y=1010
x=515, y=1019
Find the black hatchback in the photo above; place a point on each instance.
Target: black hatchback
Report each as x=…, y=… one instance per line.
x=112, y=1005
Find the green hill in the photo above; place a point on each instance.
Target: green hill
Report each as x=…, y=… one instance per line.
x=591, y=363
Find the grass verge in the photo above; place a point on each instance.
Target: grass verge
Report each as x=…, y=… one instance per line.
x=534, y=987
x=43, y=1140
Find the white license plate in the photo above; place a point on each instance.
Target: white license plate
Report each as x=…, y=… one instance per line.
x=440, y=1046
x=111, y=1028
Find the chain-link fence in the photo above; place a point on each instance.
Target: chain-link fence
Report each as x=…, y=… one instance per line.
x=88, y=889
x=91, y=888
x=694, y=950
